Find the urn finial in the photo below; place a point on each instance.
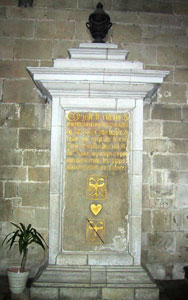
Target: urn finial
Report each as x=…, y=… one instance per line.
x=99, y=24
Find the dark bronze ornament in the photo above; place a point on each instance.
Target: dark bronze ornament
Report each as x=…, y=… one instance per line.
x=25, y=3
x=99, y=24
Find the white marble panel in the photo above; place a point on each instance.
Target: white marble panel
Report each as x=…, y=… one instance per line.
x=85, y=104
x=136, y=162
x=136, y=195
x=124, y=104
x=137, y=126
x=135, y=238
x=72, y=259
x=54, y=225
x=119, y=259
x=56, y=113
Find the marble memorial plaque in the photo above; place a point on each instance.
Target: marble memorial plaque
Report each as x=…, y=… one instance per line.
x=96, y=181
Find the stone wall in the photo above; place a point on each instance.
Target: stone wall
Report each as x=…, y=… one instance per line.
x=155, y=32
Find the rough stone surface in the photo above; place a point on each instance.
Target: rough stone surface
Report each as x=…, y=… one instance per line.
x=80, y=293
x=38, y=174
x=43, y=294
x=36, y=158
x=34, y=194
x=117, y=294
x=34, y=139
x=142, y=294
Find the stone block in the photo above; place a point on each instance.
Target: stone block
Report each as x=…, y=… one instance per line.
x=182, y=162
x=147, y=109
x=31, y=116
x=41, y=218
x=157, y=7
x=1, y=89
x=6, y=48
x=15, y=69
x=12, y=173
x=166, y=112
x=178, y=146
x=145, y=196
x=165, y=241
x=128, y=5
x=20, y=13
x=46, y=63
x=8, y=112
x=181, y=56
x=126, y=33
x=9, y=138
x=124, y=17
x=8, y=2
x=185, y=113
x=162, y=19
x=161, y=191
x=2, y=12
x=33, y=49
x=152, y=129
x=81, y=32
x=22, y=296
x=1, y=189
x=144, y=53
x=80, y=293
x=82, y=4
x=24, y=215
x=36, y=158
x=159, y=35
x=57, y=14
x=34, y=194
x=162, y=220
x=111, y=259
x=147, y=294
x=44, y=293
x=34, y=139
x=146, y=168
x=172, y=56
x=5, y=210
x=16, y=201
x=178, y=177
x=164, y=162
x=10, y=157
x=118, y=293
x=175, y=130
x=72, y=259
x=181, y=8
x=146, y=221
x=155, y=145
x=64, y=4
x=38, y=174
x=54, y=30
x=181, y=196
x=177, y=220
x=181, y=75
x=20, y=91
x=173, y=93
x=81, y=16
x=17, y=28
x=61, y=47
x=98, y=275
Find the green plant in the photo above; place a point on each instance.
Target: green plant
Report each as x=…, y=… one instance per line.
x=24, y=236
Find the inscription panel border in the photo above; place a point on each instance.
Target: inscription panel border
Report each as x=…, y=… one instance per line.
x=59, y=108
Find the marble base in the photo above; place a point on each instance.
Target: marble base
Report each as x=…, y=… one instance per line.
x=94, y=282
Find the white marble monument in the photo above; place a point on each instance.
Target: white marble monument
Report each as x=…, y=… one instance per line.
x=95, y=209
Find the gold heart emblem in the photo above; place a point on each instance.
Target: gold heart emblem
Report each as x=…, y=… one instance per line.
x=96, y=208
